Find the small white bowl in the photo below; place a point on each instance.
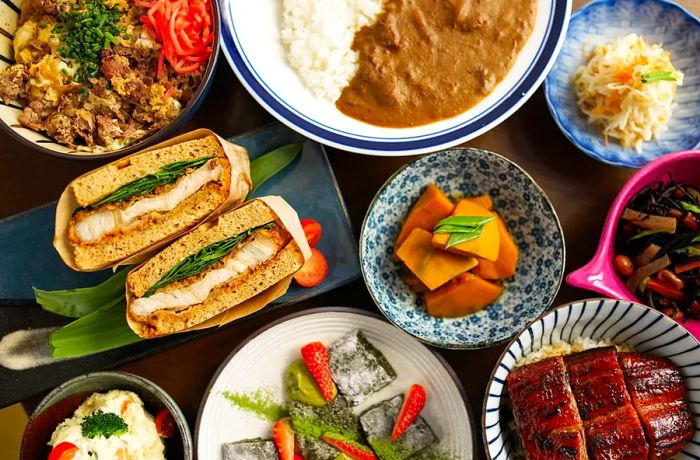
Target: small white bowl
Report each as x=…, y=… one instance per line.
x=623, y=322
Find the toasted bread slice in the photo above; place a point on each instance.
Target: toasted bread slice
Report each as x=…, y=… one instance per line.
x=288, y=257
x=128, y=242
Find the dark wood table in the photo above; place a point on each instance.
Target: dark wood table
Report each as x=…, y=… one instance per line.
x=580, y=188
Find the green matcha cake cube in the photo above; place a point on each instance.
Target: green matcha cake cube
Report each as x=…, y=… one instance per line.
x=250, y=449
x=358, y=368
x=313, y=422
x=378, y=422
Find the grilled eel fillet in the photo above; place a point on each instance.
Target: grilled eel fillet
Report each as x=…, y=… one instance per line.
x=611, y=424
x=658, y=394
x=545, y=411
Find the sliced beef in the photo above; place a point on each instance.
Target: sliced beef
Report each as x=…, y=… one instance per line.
x=115, y=66
x=31, y=119
x=13, y=81
x=612, y=427
x=61, y=127
x=658, y=394
x=108, y=129
x=545, y=411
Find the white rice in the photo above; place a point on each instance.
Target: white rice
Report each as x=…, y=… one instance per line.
x=318, y=36
x=561, y=348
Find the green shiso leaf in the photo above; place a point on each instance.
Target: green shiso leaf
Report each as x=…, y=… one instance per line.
x=102, y=330
x=690, y=207
x=196, y=263
x=75, y=303
x=166, y=175
x=269, y=164
x=104, y=424
x=465, y=221
x=658, y=75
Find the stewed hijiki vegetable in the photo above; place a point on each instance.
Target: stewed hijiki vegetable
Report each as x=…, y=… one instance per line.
x=657, y=248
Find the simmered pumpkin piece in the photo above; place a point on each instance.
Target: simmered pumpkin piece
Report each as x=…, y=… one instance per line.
x=508, y=254
x=415, y=284
x=432, y=206
x=431, y=266
x=486, y=246
x=483, y=200
x=465, y=294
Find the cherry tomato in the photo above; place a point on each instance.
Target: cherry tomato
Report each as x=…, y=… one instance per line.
x=165, y=425
x=314, y=270
x=312, y=230
x=63, y=451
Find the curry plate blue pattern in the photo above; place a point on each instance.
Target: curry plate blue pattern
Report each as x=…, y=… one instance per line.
x=622, y=322
x=525, y=209
x=601, y=21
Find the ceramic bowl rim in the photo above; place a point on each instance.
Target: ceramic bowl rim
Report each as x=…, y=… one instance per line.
x=412, y=163
x=550, y=99
x=143, y=383
x=167, y=131
x=529, y=325
x=332, y=309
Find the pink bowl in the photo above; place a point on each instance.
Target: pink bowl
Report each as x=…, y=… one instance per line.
x=599, y=275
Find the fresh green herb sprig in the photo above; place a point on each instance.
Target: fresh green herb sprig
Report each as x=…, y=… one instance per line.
x=690, y=207
x=103, y=424
x=84, y=32
x=166, y=175
x=658, y=75
x=196, y=263
x=461, y=228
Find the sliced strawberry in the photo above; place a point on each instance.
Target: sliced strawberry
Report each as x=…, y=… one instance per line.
x=352, y=449
x=283, y=435
x=316, y=358
x=312, y=231
x=314, y=271
x=413, y=404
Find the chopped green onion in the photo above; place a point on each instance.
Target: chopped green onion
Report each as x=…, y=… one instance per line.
x=658, y=75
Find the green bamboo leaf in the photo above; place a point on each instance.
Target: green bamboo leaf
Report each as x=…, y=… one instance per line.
x=269, y=164
x=78, y=302
x=465, y=221
x=102, y=330
x=457, y=238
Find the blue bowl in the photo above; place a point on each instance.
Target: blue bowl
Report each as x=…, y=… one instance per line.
x=524, y=207
x=602, y=21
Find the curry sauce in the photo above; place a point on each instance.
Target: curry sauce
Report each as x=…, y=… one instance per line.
x=427, y=60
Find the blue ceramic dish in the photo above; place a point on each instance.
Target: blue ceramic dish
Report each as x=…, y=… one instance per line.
x=521, y=203
x=620, y=321
x=601, y=21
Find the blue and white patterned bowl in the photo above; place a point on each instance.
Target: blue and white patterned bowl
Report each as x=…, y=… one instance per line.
x=623, y=322
x=601, y=21
x=521, y=203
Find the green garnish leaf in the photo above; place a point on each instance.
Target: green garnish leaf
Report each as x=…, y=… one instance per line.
x=196, y=263
x=457, y=238
x=688, y=250
x=166, y=175
x=658, y=75
x=456, y=229
x=643, y=285
x=465, y=221
x=269, y=164
x=75, y=303
x=645, y=233
x=102, y=330
x=690, y=207
x=103, y=424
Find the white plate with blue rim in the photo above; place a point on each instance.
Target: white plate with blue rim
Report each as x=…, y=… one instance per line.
x=622, y=322
x=252, y=45
x=602, y=21
x=257, y=367
x=520, y=202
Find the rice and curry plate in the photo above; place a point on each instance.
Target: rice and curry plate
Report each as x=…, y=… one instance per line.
x=99, y=75
x=404, y=63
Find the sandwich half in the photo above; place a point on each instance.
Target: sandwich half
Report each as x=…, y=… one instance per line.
x=124, y=210
x=223, y=269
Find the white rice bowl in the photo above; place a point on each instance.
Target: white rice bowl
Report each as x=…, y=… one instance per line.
x=561, y=348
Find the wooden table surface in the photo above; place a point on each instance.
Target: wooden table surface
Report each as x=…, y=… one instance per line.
x=580, y=188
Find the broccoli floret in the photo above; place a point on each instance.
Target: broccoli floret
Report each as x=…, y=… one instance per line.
x=103, y=424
